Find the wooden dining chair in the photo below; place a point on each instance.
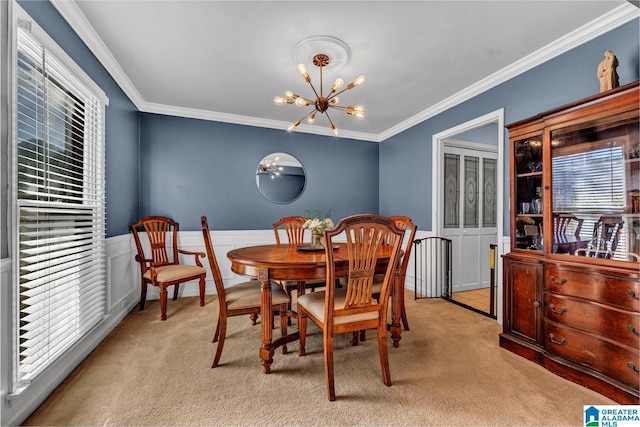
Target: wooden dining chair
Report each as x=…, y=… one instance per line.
x=404, y=223
x=566, y=222
x=162, y=267
x=353, y=308
x=605, y=237
x=295, y=237
x=241, y=299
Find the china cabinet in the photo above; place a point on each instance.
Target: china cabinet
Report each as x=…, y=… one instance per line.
x=571, y=279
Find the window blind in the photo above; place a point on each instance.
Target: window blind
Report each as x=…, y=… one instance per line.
x=60, y=172
x=591, y=184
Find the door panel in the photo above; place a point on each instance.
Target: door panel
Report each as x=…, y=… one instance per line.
x=470, y=213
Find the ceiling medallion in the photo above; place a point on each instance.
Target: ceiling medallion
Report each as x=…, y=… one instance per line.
x=326, y=53
x=334, y=48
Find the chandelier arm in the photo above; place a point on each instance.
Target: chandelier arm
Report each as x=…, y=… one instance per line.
x=338, y=93
x=310, y=113
x=321, y=91
x=339, y=107
x=314, y=91
x=330, y=121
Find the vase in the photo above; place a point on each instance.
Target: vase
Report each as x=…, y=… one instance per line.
x=316, y=240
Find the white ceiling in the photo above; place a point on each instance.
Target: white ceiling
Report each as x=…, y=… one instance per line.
x=226, y=60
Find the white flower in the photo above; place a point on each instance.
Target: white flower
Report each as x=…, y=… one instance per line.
x=317, y=225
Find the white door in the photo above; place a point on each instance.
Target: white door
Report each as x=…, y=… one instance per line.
x=469, y=211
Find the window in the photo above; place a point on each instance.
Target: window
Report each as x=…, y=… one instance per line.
x=589, y=181
x=60, y=204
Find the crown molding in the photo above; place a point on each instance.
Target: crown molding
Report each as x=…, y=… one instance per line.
x=76, y=19
x=170, y=110
x=79, y=23
x=617, y=17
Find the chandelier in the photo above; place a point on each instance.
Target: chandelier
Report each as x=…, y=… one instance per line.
x=269, y=168
x=322, y=103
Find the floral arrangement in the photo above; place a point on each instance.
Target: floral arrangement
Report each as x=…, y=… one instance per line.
x=316, y=223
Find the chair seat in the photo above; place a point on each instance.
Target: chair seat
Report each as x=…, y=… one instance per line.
x=307, y=284
x=171, y=273
x=376, y=287
x=314, y=303
x=247, y=294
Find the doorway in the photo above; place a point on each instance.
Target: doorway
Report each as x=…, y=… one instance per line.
x=468, y=198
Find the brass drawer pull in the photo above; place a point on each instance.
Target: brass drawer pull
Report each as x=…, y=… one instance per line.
x=633, y=367
x=561, y=342
x=556, y=311
x=633, y=330
x=632, y=294
x=556, y=282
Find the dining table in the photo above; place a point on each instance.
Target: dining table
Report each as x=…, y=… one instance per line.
x=272, y=263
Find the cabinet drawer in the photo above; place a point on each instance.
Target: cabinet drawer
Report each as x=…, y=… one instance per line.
x=617, y=362
x=607, y=321
x=620, y=291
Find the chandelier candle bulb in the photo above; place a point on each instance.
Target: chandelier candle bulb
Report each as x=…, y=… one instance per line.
x=278, y=100
x=356, y=82
x=337, y=84
x=303, y=70
x=293, y=125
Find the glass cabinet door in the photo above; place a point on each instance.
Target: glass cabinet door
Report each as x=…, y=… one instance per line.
x=596, y=188
x=528, y=193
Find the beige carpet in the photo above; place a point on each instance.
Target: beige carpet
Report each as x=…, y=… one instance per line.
x=448, y=371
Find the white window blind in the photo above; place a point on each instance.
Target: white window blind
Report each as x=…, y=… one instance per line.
x=60, y=172
x=590, y=182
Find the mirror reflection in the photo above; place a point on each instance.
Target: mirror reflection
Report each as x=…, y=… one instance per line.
x=280, y=177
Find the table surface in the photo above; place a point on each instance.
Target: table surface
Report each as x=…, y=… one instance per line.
x=286, y=262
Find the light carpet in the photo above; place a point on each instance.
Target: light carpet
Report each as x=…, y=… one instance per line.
x=448, y=371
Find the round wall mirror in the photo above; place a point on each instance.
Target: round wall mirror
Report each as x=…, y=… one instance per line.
x=280, y=178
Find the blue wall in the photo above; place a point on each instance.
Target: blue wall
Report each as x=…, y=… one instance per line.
x=122, y=121
x=184, y=168
x=194, y=167
x=406, y=157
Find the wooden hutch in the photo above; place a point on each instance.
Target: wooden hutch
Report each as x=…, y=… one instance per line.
x=571, y=280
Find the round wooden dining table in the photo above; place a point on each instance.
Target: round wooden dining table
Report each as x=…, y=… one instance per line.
x=269, y=263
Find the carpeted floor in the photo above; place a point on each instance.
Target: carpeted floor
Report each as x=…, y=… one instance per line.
x=448, y=371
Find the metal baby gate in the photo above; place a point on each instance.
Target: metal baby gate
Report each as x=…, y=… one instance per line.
x=432, y=267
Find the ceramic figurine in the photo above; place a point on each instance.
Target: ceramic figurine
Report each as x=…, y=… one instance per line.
x=607, y=72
